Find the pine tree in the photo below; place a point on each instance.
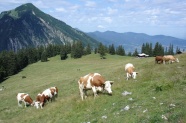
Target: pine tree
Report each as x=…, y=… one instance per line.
x=129, y=54
x=135, y=52
x=32, y=55
x=150, y=50
x=112, y=49
x=77, y=50
x=63, y=53
x=88, y=50
x=171, y=50
x=49, y=51
x=3, y=64
x=101, y=50
x=95, y=50
x=158, y=49
x=120, y=50
x=44, y=57
x=143, y=48
x=22, y=59
x=40, y=51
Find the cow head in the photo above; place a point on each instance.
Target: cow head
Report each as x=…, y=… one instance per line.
x=107, y=86
x=36, y=104
x=134, y=74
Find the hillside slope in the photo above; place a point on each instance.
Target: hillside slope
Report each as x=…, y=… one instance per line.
x=157, y=95
x=27, y=26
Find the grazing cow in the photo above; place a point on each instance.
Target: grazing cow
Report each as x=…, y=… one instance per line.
x=23, y=97
x=170, y=59
x=129, y=68
x=95, y=82
x=46, y=95
x=41, y=99
x=159, y=59
x=55, y=89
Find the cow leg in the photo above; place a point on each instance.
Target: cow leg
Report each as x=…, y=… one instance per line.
x=94, y=91
x=163, y=61
x=19, y=104
x=25, y=104
x=81, y=92
x=85, y=93
x=127, y=76
x=41, y=105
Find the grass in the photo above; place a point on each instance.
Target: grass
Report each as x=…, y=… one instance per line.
x=157, y=87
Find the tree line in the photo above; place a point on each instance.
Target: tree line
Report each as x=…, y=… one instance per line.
x=11, y=62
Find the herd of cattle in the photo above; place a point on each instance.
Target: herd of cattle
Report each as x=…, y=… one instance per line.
x=93, y=81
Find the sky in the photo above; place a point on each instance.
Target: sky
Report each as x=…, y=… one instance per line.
x=152, y=17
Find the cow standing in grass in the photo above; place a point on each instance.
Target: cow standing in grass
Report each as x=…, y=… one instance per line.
x=170, y=59
x=47, y=95
x=159, y=59
x=27, y=100
x=95, y=82
x=129, y=68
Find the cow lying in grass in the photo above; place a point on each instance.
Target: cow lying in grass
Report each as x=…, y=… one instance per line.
x=23, y=97
x=129, y=68
x=95, y=82
x=170, y=59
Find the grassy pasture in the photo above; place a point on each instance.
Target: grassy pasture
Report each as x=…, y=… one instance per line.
x=158, y=90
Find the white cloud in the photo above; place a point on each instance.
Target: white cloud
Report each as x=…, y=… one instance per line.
x=153, y=11
x=90, y=4
x=113, y=0
x=107, y=19
x=101, y=26
x=111, y=11
x=60, y=9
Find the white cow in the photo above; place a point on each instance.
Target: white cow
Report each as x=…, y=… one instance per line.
x=129, y=68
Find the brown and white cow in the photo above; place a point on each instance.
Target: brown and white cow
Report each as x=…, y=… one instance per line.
x=159, y=59
x=170, y=59
x=129, y=68
x=47, y=95
x=24, y=97
x=55, y=89
x=41, y=99
x=95, y=82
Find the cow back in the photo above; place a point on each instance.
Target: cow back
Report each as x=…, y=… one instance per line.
x=129, y=65
x=84, y=80
x=130, y=70
x=97, y=80
x=28, y=99
x=168, y=57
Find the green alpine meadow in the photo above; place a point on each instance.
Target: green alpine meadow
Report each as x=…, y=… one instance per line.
x=157, y=95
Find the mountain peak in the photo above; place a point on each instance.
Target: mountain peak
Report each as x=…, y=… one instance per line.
x=26, y=7
x=19, y=11
x=26, y=26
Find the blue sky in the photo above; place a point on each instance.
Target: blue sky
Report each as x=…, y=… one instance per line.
x=153, y=17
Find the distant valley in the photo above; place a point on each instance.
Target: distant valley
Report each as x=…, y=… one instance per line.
x=131, y=40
